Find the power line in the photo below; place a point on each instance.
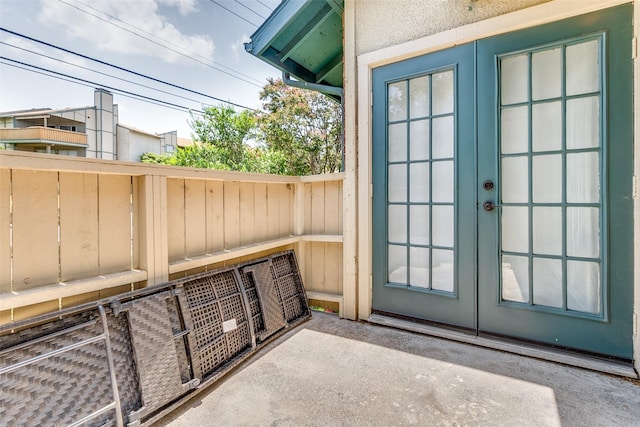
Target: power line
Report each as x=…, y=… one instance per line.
x=250, y=10
x=98, y=72
x=159, y=44
x=265, y=5
x=233, y=13
x=209, y=64
x=117, y=91
x=90, y=82
x=124, y=69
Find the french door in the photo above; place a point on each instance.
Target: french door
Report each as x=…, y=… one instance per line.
x=502, y=185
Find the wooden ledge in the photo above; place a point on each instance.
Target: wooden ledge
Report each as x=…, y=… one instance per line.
x=324, y=296
x=67, y=289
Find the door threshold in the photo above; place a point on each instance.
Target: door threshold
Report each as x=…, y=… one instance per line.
x=523, y=349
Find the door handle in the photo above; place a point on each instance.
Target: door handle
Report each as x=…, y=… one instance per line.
x=489, y=206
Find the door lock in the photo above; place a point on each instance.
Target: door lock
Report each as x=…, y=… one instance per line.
x=488, y=185
x=489, y=206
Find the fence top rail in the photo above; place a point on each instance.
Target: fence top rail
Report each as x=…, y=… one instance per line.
x=10, y=159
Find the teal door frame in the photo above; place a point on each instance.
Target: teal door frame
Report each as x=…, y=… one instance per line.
x=458, y=307
x=476, y=303
x=610, y=330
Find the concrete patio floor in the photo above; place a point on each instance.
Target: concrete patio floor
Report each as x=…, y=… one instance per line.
x=332, y=372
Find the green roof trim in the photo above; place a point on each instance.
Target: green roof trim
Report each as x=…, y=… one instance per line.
x=303, y=38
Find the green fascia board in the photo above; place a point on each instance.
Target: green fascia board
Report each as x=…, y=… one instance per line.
x=303, y=38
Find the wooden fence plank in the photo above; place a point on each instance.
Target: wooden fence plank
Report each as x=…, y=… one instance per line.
x=260, y=212
x=231, y=215
x=215, y=216
x=195, y=221
x=79, y=255
x=35, y=229
x=247, y=213
x=114, y=222
x=317, y=208
x=175, y=219
x=5, y=224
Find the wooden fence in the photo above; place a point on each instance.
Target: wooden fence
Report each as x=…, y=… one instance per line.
x=75, y=230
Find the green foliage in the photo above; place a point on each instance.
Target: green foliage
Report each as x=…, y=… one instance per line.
x=298, y=133
x=301, y=129
x=156, y=159
x=225, y=133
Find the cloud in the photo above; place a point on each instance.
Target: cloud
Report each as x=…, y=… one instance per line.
x=238, y=46
x=143, y=18
x=184, y=6
x=22, y=49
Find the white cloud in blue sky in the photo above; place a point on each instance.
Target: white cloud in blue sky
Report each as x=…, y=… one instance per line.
x=200, y=29
x=139, y=17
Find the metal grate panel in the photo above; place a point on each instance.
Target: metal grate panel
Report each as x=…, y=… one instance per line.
x=156, y=344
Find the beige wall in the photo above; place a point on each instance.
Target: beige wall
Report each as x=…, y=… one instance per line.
x=132, y=144
x=382, y=23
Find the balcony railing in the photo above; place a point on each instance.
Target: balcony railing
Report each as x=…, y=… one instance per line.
x=40, y=134
x=75, y=230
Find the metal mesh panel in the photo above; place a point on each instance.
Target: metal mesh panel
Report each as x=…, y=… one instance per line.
x=125, y=367
x=212, y=301
x=60, y=389
x=207, y=323
x=225, y=284
x=232, y=308
x=288, y=286
x=213, y=355
x=163, y=340
x=155, y=350
x=281, y=265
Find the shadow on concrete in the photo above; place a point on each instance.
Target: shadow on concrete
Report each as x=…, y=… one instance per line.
x=338, y=372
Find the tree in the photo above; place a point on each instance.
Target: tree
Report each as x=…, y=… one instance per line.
x=224, y=134
x=298, y=133
x=300, y=129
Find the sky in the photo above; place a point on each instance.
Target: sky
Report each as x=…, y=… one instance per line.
x=194, y=44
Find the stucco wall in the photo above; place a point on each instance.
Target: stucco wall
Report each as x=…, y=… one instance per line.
x=132, y=144
x=382, y=23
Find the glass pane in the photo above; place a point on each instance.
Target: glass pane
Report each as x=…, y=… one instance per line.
x=419, y=96
x=397, y=101
x=515, y=278
x=419, y=145
x=442, y=217
x=515, y=229
x=442, y=271
x=547, y=179
x=397, y=264
x=442, y=86
x=419, y=184
x=583, y=178
x=583, y=122
x=514, y=130
x=397, y=223
x=583, y=286
x=547, y=126
x=515, y=179
x=547, y=282
x=547, y=230
x=397, y=183
x=419, y=275
x=442, y=187
x=582, y=68
x=419, y=222
x=583, y=232
x=514, y=79
x=398, y=142
x=442, y=139
x=546, y=74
